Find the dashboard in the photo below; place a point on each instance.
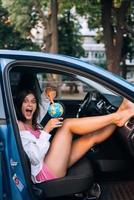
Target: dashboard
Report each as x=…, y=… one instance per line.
x=127, y=135
x=95, y=104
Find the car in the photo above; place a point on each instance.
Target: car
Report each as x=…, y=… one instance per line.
x=106, y=172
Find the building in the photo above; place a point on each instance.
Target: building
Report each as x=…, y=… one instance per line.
x=94, y=52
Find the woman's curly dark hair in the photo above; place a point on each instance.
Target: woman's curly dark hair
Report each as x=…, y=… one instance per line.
x=18, y=105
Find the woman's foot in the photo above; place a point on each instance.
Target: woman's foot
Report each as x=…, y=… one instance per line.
x=124, y=104
x=125, y=112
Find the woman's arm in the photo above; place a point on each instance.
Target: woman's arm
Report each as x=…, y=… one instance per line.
x=43, y=107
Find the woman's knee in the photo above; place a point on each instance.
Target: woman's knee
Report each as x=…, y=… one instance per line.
x=67, y=124
x=95, y=140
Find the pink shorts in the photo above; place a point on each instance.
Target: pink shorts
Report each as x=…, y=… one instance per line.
x=45, y=174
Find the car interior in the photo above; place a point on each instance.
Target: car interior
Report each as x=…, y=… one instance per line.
x=107, y=168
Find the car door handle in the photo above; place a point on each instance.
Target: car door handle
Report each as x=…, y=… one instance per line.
x=13, y=163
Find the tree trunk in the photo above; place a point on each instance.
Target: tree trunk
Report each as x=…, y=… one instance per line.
x=113, y=39
x=50, y=25
x=53, y=24
x=51, y=29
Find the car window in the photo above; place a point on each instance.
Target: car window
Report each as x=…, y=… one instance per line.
x=68, y=87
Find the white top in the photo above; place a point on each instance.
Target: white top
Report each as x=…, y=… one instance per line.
x=36, y=149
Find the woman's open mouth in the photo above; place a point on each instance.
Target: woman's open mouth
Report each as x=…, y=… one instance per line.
x=29, y=112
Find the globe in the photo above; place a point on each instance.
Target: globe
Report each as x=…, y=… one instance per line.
x=55, y=110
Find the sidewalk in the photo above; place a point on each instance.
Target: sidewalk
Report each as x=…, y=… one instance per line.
x=66, y=94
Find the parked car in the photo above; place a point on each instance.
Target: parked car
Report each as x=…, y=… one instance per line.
x=107, y=170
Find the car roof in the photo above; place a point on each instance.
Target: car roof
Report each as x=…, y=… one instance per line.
x=19, y=54
x=74, y=63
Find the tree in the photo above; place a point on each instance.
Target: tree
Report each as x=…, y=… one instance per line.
x=112, y=16
x=26, y=14
x=9, y=38
x=114, y=23
x=70, y=42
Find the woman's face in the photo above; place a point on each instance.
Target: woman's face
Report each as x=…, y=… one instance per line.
x=29, y=106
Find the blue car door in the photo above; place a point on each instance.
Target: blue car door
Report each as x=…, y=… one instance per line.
x=1, y=179
x=4, y=185
x=4, y=181
x=12, y=180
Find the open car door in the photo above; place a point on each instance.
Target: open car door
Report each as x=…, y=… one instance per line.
x=1, y=178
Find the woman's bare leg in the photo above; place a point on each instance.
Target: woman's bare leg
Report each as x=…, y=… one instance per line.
x=83, y=144
x=67, y=152
x=59, y=153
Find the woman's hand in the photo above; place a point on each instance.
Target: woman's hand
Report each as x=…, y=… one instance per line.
x=53, y=123
x=51, y=93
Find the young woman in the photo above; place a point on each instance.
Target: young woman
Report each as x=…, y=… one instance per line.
x=50, y=161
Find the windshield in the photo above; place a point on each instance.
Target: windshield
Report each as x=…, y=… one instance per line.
x=94, y=85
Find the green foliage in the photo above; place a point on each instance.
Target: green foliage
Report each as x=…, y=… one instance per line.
x=69, y=36
x=9, y=38
x=65, y=5
x=128, y=45
x=92, y=9
x=24, y=13
x=20, y=14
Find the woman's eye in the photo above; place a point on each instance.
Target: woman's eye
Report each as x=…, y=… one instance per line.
x=34, y=101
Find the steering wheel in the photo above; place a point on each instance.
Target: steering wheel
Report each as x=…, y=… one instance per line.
x=95, y=104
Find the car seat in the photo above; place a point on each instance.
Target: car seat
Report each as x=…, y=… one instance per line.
x=79, y=178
